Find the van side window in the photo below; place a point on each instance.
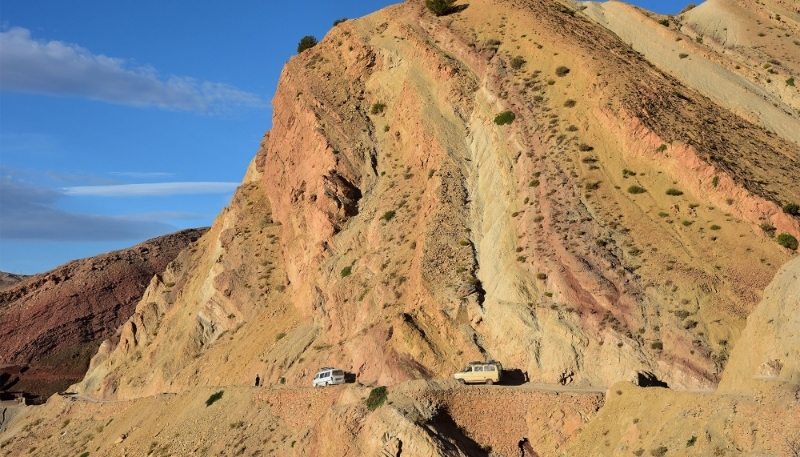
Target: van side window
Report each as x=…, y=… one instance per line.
x=489, y=368
x=477, y=368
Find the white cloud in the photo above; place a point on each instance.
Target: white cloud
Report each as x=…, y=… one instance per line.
x=153, y=189
x=27, y=213
x=141, y=175
x=58, y=68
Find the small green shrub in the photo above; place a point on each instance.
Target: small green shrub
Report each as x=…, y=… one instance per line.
x=562, y=71
x=683, y=55
x=283, y=380
x=377, y=397
x=690, y=442
x=377, y=108
x=664, y=22
x=339, y=21
x=660, y=451
x=440, y=7
x=715, y=181
x=541, y=276
x=790, y=82
x=687, y=223
x=534, y=183
x=346, y=271
x=638, y=452
x=788, y=241
x=506, y=117
x=570, y=103
x=792, y=209
x=486, y=448
x=662, y=214
x=674, y=192
x=521, y=258
x=636, y=190
x=699, y=39
x=517, y=62
x=85, y=454
x=307, y=42
x=280, y=336
x=214, y=397
x=715, y=227
x=662, y=148
x=388, y=215
x=583, y=147
x=657, y=345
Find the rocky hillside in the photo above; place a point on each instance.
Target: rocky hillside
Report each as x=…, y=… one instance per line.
x=620, y=224
x=515, y=180
x=55, y=321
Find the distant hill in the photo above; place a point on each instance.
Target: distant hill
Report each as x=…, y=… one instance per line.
x=7, y=279
x=54, y=321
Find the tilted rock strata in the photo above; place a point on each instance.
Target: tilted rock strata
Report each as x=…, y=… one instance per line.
x=390, y=227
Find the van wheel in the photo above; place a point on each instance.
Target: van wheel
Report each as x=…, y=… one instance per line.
x=463, y=382
x=489, y=382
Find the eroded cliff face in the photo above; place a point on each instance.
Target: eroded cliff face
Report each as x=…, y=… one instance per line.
x=390, y=227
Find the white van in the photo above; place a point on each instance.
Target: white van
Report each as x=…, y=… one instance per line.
x=328, y=376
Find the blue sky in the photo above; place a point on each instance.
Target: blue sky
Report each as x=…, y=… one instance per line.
x=121, y=121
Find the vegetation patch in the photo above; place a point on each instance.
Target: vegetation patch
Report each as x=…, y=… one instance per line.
x=660, y=451
x=506, y=117
x=562, y=71
x=674, y=192
x=788, y=241
x=378, y=108
x=792, y=209
x=517, y=62
x=307, y=42
x=388, y=215
x=715, y=181
x=346, y=271
x=570, y=103
x=376, y=398
x=636, y=190
x=214, y=397
x=440, y=7
x=339, y=21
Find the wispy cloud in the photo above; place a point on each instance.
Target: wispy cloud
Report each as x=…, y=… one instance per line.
x=28, y=213
x=58, y=68
x=152, y=189
x=141, y=175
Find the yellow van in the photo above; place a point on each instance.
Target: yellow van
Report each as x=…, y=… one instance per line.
x=489, y=373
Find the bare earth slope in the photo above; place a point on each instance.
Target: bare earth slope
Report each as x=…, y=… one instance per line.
x=56, y=320
x=755, y=412
x=621, y=227
x=712, y=50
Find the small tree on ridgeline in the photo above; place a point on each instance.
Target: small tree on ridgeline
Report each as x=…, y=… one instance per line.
x=440, y=7
x=307, y=42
